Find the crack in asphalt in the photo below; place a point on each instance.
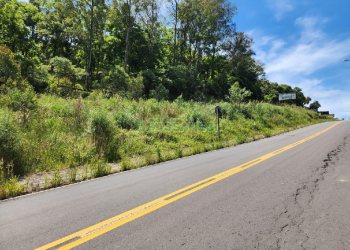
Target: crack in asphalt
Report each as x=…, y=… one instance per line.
x=289, y=221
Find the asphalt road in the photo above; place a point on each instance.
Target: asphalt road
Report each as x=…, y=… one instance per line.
x=299, y=198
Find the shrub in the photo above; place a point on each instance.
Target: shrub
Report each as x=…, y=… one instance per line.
x=10, y=187
x=149, y=81
x=238, y=94
x=231, y=111
x=21, y=101
x=99, y=168
x=11, y=152
x=126, y=121
x=159, y=93
x=103, y=133
x=117, y=81
x=80, y=115
x=66, y=77
x=159, y=154
x=9, y=68
x=112, y=153
x=136, y=87
x=197, y=117
x=56, y=179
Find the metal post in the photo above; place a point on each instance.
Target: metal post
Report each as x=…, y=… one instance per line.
x=218, y=113
x=218, y=118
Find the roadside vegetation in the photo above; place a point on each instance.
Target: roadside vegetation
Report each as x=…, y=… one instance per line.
x=66, y=137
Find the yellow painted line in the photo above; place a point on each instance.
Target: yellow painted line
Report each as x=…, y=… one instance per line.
x=89, y=233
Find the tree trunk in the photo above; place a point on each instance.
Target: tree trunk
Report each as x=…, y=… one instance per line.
x=88, y=79
x=127, y=38
x=175, y=30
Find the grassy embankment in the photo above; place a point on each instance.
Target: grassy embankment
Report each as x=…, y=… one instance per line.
x=74, y=139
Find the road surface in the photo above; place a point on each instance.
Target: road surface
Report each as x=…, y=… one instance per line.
x=290, y=191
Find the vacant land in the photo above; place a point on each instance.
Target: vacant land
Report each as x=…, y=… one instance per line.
x=57, y=135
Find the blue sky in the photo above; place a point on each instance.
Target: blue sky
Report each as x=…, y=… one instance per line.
x=303, y=43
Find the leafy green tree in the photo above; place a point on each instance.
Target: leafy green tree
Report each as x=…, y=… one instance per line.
x=59, y=29
x=238, y=94
x=22, y=101
x=13, y=30
x=315, y=105
x=159, y=93
x=9, y=68
x=15, y=33
x=116, y=81
x=66, y=75
x=120, y=82
x=181, y=81
x=269, y=91
x=63, y=68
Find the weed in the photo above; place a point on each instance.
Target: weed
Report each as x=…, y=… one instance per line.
x=179, y=152
x=56, y=179
x=10, y=188
x=127, y=121
x=159, y=154
x=99, y=168
x=72, y=175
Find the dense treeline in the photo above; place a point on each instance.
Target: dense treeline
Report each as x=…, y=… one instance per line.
x=126, y=47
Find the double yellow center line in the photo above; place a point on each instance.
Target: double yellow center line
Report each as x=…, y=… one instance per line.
x=89, y=233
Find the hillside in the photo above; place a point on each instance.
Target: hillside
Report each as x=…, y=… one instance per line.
x=75, y=139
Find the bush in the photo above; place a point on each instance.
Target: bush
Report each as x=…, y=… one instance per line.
x=159, y=93
x=9, y=68
x=197, y=117
x=135, y=88
x=80, y=115
x=126, y=121
x=117, y=81
x=21, y=101
x=103, y=133
x=238, y=94
x=99, y=168
x=66, y=77
x=231, y=111
x=11, y=152
x=10, y=188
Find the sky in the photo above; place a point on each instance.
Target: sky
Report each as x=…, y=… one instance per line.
x=303, y=43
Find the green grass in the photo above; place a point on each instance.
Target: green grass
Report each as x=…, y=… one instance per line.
x=66, y=134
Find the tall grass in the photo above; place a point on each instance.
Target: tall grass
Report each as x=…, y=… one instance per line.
x=70, y=133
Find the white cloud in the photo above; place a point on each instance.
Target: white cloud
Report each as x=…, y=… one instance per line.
x=311, y=27
x=280, y=7
x=299, y=63
x=307, y=58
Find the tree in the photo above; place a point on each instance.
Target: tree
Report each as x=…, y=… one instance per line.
x=315, y=105
x=15, y=18
x=13, y=30
x=238, y=94
x=149, y=12
x=59, y=29
x=174, y=15
x=67, y=75
x=198, y=57
x=9, y=68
